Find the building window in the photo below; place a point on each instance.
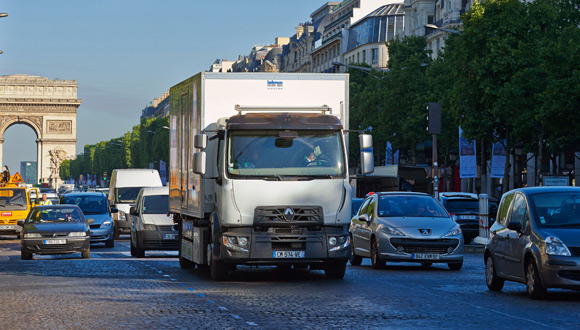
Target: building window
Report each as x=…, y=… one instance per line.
x=374, y=56
x=364, y=56
x=430, y=19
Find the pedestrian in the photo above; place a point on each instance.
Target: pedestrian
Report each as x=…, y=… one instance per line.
x=45, y=201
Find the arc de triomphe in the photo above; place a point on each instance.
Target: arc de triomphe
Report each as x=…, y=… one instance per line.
x=49, y=107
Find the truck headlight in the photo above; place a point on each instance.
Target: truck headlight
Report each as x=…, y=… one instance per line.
x=122, y=215
x=555, y=247
x=106, y=224
x=456, y=230
x=238, y=243
x=149, y=227
x=32, y=235
x=336, y=243
x=77, y=234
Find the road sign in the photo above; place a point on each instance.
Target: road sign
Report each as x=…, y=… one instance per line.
x=17, y=178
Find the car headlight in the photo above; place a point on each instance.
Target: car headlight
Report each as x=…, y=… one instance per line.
x=122, y=215
x=32, y=235
x=77, y=234
x=555, y=247
x=236, y=243
x=149, y=227
x=390, y=231
x=456, y=230
x=106, y=224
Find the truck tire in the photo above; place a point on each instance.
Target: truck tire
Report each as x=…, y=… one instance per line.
x=335, y=269
x=25, y=255
x=116, y=234
x=132, y=249
x=219, y=271
x=139, y=252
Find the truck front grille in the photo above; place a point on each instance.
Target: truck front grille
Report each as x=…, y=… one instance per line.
x=283, y=216
x=278, y=246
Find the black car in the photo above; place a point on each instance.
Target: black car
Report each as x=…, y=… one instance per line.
x=464, y=207
x=55, y=229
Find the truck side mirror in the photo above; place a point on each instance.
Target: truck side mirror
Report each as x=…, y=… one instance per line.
x=114, y=210
x=366, y=155
x=199, y=163
x=200, y=141
x=133, y=211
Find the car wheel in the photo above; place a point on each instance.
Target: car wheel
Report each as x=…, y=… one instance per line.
x=426, y=264
x=139, y=252
x=494, y=283
x=533, y=284
x=354, y=259
x=25, y=255
x=110, y=244
x=455, y=265
x=86, y=254
x=376, y=261
x=335, y=270
x=132, y=249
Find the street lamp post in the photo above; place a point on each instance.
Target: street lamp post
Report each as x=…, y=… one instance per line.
x=435, y=27
x=3, y=15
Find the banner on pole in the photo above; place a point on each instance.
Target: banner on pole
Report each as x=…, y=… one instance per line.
x=497, y=160
x=467, y=157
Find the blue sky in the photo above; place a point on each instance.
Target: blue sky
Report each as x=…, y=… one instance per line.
x=125, y=53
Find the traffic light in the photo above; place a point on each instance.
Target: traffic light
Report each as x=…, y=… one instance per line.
x=104, y=176
x=434, y=118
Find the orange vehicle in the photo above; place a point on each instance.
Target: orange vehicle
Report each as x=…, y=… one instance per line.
x=15, y=203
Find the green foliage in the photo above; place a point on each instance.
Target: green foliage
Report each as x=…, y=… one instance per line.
x=145, y=143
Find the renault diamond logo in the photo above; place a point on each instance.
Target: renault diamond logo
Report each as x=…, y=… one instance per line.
x=425, y=232
x=54, y=235
x=288, y=214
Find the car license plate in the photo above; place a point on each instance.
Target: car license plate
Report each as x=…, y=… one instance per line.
x=55, y=241
x=426, y=256
x=468, y=217
x=288, y=254
x=6, y=227
x=169, y=236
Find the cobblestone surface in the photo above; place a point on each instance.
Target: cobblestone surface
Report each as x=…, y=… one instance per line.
x=112, y=290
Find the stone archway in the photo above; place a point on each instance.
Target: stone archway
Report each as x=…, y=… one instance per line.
x=49, y=107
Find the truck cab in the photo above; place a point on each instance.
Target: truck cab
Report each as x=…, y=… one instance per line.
x=15, y=203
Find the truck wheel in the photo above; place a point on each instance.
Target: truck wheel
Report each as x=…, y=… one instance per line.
x=86, y=254
x=219, y=271
x=335, y=270
x=116, y=234
x=25, y=255
x=139, y=252
x=132, y=249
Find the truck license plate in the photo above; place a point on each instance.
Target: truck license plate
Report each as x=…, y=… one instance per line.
x=288, y=254
x=6, y=227
x=55, y=241
x=169, y=236
x=426, y=256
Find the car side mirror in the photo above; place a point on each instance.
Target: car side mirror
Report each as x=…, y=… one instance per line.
x=114, y=210
x=20, y=222
x=516, y=226
x=133, y=211
x=90, y=221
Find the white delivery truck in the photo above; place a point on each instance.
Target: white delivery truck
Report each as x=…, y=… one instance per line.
x=259, y=171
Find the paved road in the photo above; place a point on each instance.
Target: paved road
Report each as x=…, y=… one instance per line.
x=112, y=290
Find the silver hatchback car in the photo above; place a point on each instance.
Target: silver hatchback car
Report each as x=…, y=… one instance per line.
x=535, y=240
x=405, y=227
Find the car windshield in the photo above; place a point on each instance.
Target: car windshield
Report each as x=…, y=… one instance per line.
x=410, y=206
x=462, y=205
x=156, y=204
x=88, y=204
x=61, y=214
x=557, y=209
x=13, y=199
x=128, y=194
x=283, y=154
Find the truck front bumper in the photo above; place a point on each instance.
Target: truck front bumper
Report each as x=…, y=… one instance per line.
x=295, y=246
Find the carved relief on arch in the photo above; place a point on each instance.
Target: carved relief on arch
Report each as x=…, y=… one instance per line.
x=35, y=122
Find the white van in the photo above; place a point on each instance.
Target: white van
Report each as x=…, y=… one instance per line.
x=123, y=190
x=151, y=227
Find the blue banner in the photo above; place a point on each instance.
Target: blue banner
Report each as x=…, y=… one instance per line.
x=467, y=157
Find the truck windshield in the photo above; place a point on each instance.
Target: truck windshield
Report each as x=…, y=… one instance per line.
x=278, y=154
x=128, y=194
x=13, y=199
x=156, y=204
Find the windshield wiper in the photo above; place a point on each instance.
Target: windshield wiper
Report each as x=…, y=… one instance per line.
x=574, y=224
x=15, y=204
x=272, y=178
